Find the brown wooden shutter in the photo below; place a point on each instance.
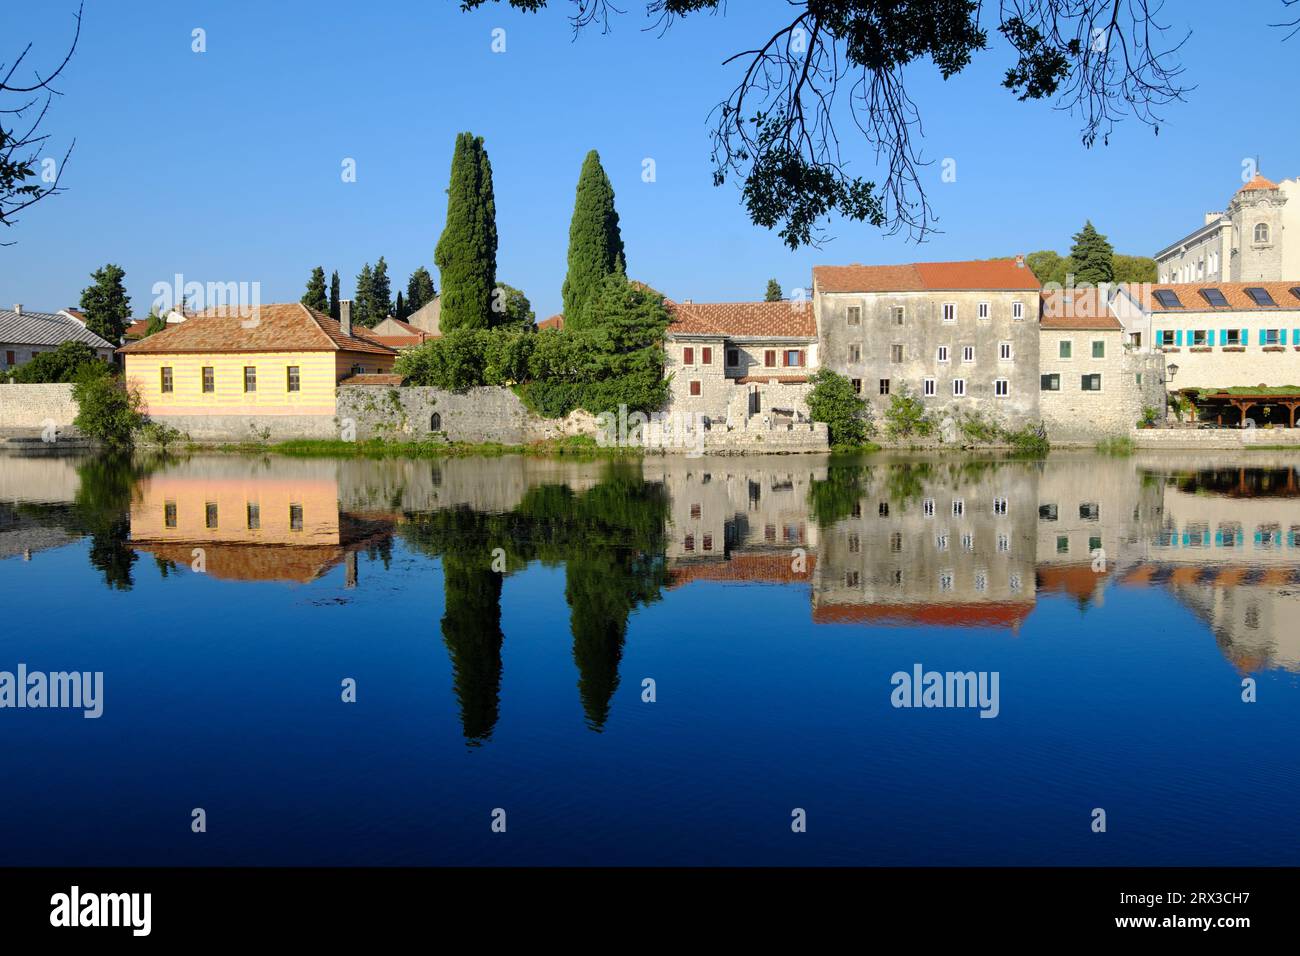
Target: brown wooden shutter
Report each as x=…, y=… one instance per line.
x=688, y=356
x=707, y=357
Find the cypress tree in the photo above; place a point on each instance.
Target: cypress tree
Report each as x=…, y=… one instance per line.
x=595, y=242
x=399, y=310
x=381, y=295
x=1094, y=259
x=361, y=300
x=106, y=304
x=466, y=254
x=774, y=293
x=419, y=290
x=334, y=296
x=315, y=296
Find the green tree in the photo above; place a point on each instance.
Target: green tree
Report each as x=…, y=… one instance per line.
x=363, y=297
x=106, y=410
x=511, y=308
x=381, y=293
x=334, y=296
x=419, y=290
x=400, y=311
x=595, y=242
x=774, y=293
x=906, y=416
x=466, y=254
x=316, y=297
x=64, y=364
x=833, y=401
x=106, y=304
x=1134, y=268
x=155, y=324
x=1048, y=266
x=1093, y=256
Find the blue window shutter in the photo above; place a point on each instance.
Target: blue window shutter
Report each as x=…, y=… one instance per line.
x=1178, y=337
x=1245, y=336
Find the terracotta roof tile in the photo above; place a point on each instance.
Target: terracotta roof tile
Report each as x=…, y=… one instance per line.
x=554, y=322
x=1004, y=614
x=373, y=378
x=1259, y=182
x=280, y=327
x=1077, y=309
x=1189, y=294
x=991, y=274
x=786, y=320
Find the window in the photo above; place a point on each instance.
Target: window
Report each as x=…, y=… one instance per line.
x=928, y=387
x=959, y=387
x=855, y=353
x=983, y=310
x=855, y=544
x=1004, y=351
x=941, y=541
x=1199, y=338
x=295, y=517
x=950, y=311
x=1168, y=299
x=695, y=387
x=882, y=509
x=169, y=514
x=1001, y=388
x=999, y=506
x=927, y=507
x=210, y=514
x=1099, y=348
x=254, y=512
x=1233, y=336
x=1062, y=544
x=1272, y=336
x=1090, y=383
x=1261, y=232
x=857, y=386
x=1215, y=297
x=1089, y=511
x=958, y=507
x=769, y=358
x=896, y=313
x=166, y=378
x=435, y=422
x=688, y=355
x=209, y=379
x=10, y=358
x=1164, y=337
x=1050, y=383
x=1065, y=349
x=733, y=358
x=884, y=386
x=793, y=358
x=896, y=354
x=1017, y=310
x=706, y=356
x=852, y=579
x=689, y=543
x=250, y=378
x=968, y=353
x=696, y=511
x=1260, y=296
x=1047, y=512
x=945, y=580
x=295, y=379
x=942, y=355
x=855, y=315
x=896, y=542
x=708, y=542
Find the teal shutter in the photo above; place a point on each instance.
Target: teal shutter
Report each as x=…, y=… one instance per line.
x=1178, y=337
x=1223, y=336
x=1245, y=336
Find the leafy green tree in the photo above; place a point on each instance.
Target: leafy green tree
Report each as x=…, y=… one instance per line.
x=155, y=324
x=106, y=410
x=106, y=305
x=833, y=401
x=507, y=356
x=466, y=254
x=381, y=293
x=419, y=290
x=511, y=308
x=454, y=362
x=363, y=297
x=1093, y=256
x=906, y=417
x=1134, y=268
x=64, y=364
x=334, y=296
x=1048, y=266
x=595, y=242
x=316, y=297
x=774, y=293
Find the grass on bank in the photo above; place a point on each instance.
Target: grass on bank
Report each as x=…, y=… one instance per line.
x=576, y=446
x=1117, y=446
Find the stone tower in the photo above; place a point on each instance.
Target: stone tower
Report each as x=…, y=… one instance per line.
x=1256, y=212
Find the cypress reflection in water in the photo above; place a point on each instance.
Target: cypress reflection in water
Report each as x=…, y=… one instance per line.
x=471, y=629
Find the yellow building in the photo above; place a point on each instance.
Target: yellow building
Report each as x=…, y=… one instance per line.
x=269, y=369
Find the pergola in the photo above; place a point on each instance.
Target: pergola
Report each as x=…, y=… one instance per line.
x=1243, y=399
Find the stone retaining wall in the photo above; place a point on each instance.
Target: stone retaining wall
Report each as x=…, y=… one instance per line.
x=27, y=407
x=1215, y=438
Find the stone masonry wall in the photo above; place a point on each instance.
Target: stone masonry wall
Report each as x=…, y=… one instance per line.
x=1073, y=415
x=25, y=407
x=484, y=414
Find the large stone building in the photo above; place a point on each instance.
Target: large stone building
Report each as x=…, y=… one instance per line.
x=1257, y=239
x=963, y=336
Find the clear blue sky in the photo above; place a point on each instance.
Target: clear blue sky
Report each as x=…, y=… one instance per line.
x=225, y=165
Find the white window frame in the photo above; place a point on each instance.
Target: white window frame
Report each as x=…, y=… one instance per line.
x=950, y=311
x=1001, y=388
x=983, y=312
x=928, y=388
x=1005, y=352
x=898, y=315
x=941, y=356
x=959, y=388
x=1065, y=358
x=1018, y=311
x=968, y=355
x=853, y=315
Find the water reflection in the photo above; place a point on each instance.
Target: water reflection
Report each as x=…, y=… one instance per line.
x=882, y=541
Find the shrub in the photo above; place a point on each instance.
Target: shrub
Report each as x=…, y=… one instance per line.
x=906, y=416
x=976, y=428
x=506, y=356
x=1119, y=446
x=64, y=364
x=160, y=434
x=454, y=362
x=1149, y=417
x=106, y=410
x=1028, y=440
x=846, y=414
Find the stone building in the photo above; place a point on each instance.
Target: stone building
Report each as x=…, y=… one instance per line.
x=1092, y=382
x=1257, y=239
x=25, y=334
x=962, y=336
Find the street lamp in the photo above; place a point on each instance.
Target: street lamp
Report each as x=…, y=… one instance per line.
x=1172, y=369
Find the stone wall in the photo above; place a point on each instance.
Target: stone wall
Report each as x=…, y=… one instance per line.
x=1217, y=438
x=241, y=428
x=31, y=407
x=1130, y=381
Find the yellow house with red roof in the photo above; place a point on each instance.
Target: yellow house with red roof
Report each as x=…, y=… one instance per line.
x=236, y=372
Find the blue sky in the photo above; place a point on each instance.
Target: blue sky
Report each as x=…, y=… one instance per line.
x=225, y=166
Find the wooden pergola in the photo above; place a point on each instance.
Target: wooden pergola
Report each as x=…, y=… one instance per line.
x=1243, y=400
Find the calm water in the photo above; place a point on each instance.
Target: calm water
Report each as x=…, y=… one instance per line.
x=770, y=600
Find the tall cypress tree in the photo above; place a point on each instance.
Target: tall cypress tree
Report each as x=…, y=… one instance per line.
x=595, y=242
x=399, y=310
x=381, y=295
x=334, y=296
x=419, y=290
x=466, y=254
x=315, y=296
x=1094, y=259
x=363, y=297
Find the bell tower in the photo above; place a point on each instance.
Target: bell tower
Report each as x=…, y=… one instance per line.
x=1256, y=214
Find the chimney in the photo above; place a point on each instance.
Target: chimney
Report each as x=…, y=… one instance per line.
x=345, y=316
x=18, y=308
x=1020, y=262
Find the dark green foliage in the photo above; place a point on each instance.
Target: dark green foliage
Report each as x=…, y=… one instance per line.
x=65, y=364
x=1134, y=268
x=364, y=295
x=419, y=290
x=454, y=362
x=381, y=293
x=1051, y=267
x=906, y=416
x=833, y=401
x=316, y=297
x=106, y=304
x=774, y=293
x=471, y=629
x=334, y=296
x=1092, y=256
x=466, y=254
x=511, y=308
x=155, y=324
x=106, y=410
x=595, y=241
x=844, y=487
x=400, y=311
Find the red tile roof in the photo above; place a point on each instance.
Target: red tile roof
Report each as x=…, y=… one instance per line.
x=554, y=322
x=978, y=275
x=747, y=568
x=373, y=378
x=785, y=320
x=280, y=327
x=1259, y=182
x=1077, y=309
x=1189, y=295
x=944, y=615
